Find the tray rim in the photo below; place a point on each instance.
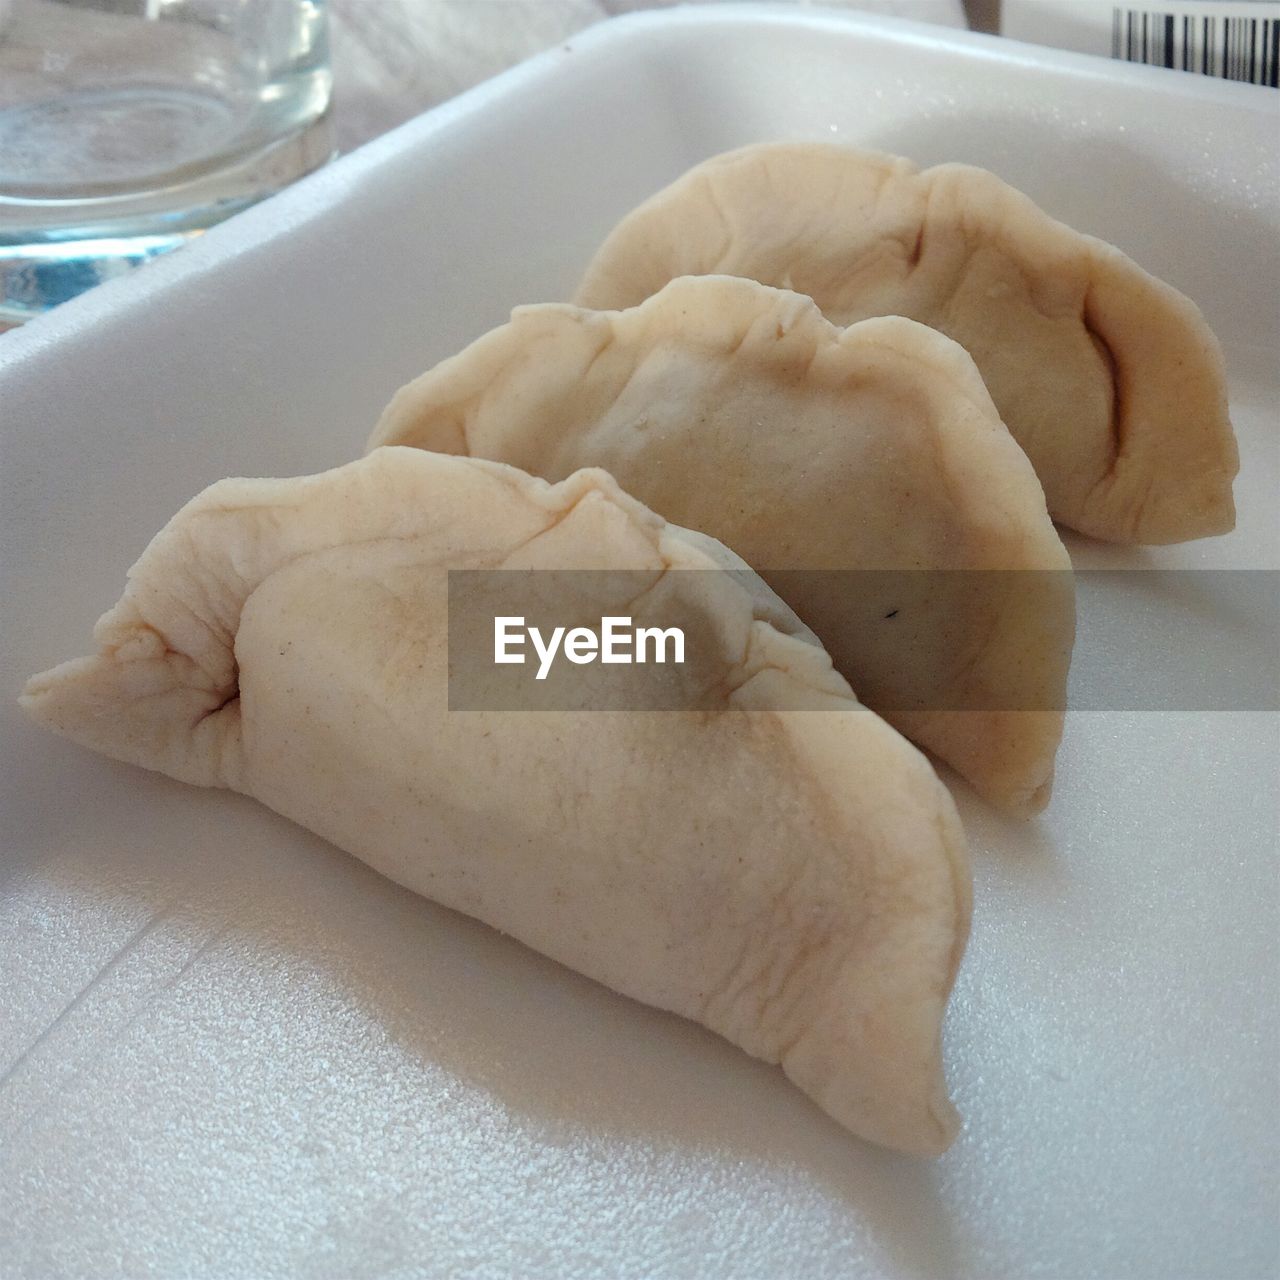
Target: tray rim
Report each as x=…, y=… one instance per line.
x=289, y=210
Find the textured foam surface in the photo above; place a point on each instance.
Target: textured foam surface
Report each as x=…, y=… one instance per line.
x=228, y=1049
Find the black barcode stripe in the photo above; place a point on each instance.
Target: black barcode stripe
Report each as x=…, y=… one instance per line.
x=1236, y=48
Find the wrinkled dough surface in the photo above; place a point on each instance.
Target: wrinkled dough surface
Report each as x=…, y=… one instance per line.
x=813, y=452
x=1108, y=378
x=795, y=880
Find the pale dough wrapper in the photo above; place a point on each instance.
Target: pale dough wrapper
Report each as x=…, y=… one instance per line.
x=1109, y=379
x=817, y=454
x=795, y=880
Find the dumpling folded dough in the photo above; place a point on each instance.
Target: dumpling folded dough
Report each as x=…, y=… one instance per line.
x=863, y=473
x=796, y=880
x=1108, y=378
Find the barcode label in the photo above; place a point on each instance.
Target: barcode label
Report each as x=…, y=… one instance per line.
x=1234, y=48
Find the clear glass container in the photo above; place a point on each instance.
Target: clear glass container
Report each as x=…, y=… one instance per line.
x=129, y=126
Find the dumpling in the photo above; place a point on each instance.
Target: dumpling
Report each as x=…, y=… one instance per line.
x=863, y=473
x=794, y=879
x=1108, y=378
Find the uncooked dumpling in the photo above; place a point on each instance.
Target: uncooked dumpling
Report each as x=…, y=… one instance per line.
x=863, y=473
x=794, y=879
x=1108, y=378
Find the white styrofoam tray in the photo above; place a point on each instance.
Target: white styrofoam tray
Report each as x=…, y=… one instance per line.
x=227, y=1049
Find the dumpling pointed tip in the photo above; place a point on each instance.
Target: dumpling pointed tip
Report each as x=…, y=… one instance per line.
x=1027, y=802
x=915, y=1117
